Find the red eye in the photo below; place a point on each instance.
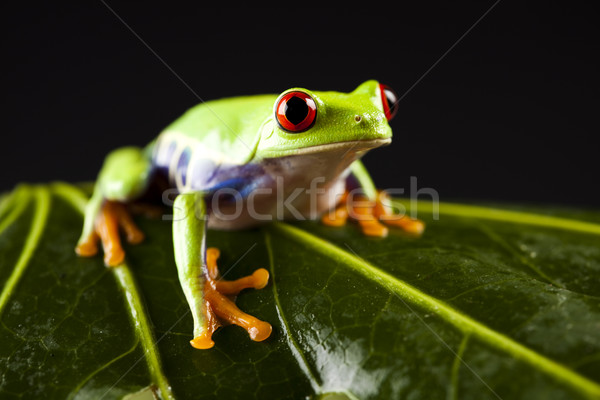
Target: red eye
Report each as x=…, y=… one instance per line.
x=296, y=112
x=390, y=101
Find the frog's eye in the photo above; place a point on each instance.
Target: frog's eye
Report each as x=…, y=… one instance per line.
x=295, y=111
x=390, y=100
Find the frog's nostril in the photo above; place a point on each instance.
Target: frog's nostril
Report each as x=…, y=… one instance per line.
x=358, y=118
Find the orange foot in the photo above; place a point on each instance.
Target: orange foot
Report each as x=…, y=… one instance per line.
x=370, y=215
x=220, y=308
x=112, y=216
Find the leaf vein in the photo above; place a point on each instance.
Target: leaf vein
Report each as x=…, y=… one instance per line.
x=16, y=211
x=42, y=206
x=523, y=259
x=103, y=367
x=458, y=360
x=296, y=351
x=497, y=214
x=137, y=311
x=456, y=318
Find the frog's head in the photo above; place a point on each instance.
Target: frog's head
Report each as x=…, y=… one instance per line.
x=305, y=121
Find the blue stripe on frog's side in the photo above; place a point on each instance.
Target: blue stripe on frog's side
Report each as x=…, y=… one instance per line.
x=183, y=164
x=187, y=171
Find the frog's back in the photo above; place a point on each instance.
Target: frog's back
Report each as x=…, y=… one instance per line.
x=211, y=137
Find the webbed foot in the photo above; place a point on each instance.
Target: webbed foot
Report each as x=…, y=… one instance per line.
x=220, y=309
x=371, y=216
x=113, y=215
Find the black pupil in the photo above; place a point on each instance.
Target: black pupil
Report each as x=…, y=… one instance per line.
x=296, y=110
x=391, y=100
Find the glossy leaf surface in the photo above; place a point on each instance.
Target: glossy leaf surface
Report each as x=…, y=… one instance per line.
x=488, y=304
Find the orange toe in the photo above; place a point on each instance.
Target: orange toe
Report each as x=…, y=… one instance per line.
x=337, y=217
x=373, y=229
x=87, y=249
x=260, y=331
x=386, y=214
x=260, y=278
x=114, y=257
x=414, y=226
x=202, y=342
x=409, y=225
x=136, y=237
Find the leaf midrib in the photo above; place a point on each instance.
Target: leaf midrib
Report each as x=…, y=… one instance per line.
x=137, y=312
x=462, y=322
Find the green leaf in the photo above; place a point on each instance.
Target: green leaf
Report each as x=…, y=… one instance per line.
x=490, y=303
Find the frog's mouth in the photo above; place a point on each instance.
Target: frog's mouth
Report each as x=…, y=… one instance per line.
x=348, y=147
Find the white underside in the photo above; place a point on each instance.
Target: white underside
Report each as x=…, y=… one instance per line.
x=302, y=186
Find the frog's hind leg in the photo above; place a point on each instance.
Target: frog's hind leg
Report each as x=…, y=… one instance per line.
x=207, y=293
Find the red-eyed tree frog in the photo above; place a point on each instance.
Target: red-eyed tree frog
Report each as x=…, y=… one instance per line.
x=238, y=162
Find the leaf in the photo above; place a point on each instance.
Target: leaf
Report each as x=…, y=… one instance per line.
x=489, y=304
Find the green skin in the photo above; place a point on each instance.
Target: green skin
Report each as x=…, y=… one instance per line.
x=241, y=131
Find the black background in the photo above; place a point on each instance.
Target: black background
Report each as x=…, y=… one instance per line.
x=510, y=114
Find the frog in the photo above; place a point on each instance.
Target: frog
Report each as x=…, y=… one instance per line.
x=234, y=163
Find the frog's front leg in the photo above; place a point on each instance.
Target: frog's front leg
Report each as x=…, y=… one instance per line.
x=112, y=216
x=124, y=176
x=371, y=209
x=206, y=293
